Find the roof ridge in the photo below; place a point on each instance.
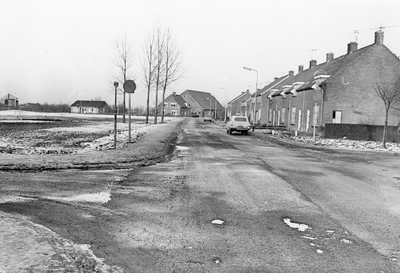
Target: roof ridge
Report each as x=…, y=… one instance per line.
x=351, y=62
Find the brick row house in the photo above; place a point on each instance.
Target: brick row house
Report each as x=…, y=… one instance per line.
x=340, y=90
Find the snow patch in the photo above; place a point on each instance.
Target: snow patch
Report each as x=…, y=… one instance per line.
x=99, y=197
x=299, y=227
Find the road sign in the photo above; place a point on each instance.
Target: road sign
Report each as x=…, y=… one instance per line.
x=129, y=86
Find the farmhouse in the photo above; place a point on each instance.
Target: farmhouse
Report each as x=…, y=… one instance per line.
x=90, y=107
x=175, y=105
x=191, y=103
x=340, y=90
x=9, y=102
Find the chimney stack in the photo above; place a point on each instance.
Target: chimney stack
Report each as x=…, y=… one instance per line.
x=301, y=68
x=174, y=93
x=313, y=63
x=329, y=57
x=351, y=47
x=291, y=73
x=379, y=37
x=276, y=78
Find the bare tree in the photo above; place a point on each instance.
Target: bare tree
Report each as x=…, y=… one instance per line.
x=149, y=67
x=124, y=61
x=172, y=65
x=390, y=95
x=160, y=37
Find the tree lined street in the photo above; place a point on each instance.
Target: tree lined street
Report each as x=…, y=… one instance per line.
x=231, y=203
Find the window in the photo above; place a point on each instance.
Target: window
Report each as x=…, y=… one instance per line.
x=174, y=112
x=240, y=119
x=293, y=117
x=308, y=119
x=337, y=117
x=283, y=115
x=270, y=115
x=165, y=104
x=173, y=104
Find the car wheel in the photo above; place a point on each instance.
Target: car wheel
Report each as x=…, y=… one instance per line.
x=245, y=132
x=230, y=131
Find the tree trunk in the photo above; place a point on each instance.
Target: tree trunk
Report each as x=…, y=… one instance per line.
x=385, y=128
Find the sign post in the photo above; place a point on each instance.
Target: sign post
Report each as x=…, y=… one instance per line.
x=115, y=116
x=129, y=87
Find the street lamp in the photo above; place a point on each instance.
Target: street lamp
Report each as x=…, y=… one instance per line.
x=226, y=100
x=255, y=102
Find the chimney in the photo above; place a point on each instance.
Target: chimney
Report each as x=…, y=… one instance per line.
x=276, y=78
x=174, y=93
x=313, y=63
x=301, y=68
x=379, y=37
x=291, y=73
x=351, y=47
x=329, y=57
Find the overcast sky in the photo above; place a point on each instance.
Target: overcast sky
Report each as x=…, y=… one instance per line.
x=61, y=51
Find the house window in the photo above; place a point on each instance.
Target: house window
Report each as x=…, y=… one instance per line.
x=174, y=112
x=283, y=115
x=337, y=117
x=165, y=104
x=315, y=115
x=173, y=104
x=293, y=117
x=308, y=119
x=270, y=115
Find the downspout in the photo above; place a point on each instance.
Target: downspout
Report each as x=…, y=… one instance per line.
x=323, y=88
x=303, y=114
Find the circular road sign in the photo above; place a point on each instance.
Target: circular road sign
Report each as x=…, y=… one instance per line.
x=129, y=86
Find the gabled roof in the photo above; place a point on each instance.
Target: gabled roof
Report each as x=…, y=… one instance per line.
x=89, y=103
x=202, y=98
x=271, y=85
x=9, y=97
x=335, y=66
x=182, y=103
x=240, y=96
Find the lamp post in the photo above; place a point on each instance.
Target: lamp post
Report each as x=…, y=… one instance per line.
x=226, y=100
x=255, y=95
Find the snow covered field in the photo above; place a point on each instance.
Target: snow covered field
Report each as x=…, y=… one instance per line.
x=26, y=132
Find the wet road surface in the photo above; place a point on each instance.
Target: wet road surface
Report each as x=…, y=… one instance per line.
x=231, y=203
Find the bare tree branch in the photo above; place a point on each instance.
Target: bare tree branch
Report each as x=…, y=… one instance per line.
x=390, y=96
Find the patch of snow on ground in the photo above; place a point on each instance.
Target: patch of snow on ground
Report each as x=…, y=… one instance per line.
x=99, y=197
x=299, y=227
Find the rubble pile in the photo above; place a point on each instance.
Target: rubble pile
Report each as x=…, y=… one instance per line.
x=347, y=143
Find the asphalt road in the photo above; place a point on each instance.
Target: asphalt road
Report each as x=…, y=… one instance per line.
x=232, y=203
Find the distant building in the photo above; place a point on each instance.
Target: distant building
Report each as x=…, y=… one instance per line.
x=90, y=107
x=9, y=102
x=175, y=105
x=192, y=103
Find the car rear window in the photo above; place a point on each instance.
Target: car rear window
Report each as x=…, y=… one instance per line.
x=240, y=119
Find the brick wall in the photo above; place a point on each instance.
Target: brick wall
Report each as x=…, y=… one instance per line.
x=352, y=93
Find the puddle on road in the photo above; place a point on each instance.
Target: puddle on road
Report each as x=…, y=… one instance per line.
x=299, y=227
x=99, y=197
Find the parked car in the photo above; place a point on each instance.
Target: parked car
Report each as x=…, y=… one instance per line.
x=239, y=124
x=207, y=118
